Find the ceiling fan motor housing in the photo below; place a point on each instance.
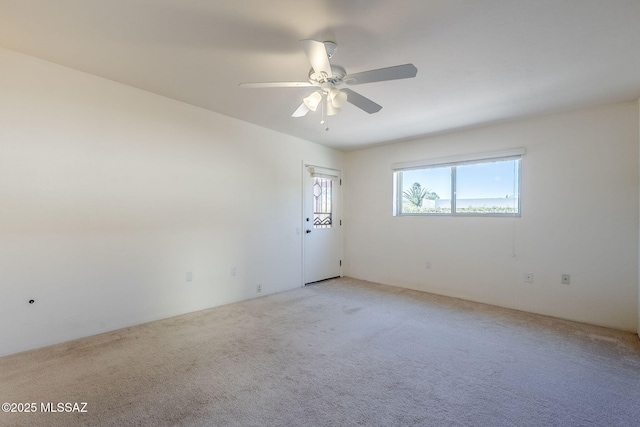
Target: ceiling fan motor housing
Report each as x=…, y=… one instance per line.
x=338, y=74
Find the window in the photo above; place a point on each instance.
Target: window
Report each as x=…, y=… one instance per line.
x=322, y=202
x=322, y=195
x=486, y=184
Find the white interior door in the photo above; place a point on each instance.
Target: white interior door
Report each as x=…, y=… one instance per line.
x=322, y=224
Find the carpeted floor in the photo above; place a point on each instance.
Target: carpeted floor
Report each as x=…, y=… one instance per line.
x=338, y=353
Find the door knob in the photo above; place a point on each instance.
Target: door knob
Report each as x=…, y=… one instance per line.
x=308, y=231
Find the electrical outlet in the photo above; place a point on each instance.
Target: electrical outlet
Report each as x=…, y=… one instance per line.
x=528, y=277
x=427, y=265
x=234, y=271
x=259, y=288
x=565, y=279
x=189, y=276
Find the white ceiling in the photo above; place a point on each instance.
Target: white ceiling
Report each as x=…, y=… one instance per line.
x=479, y=61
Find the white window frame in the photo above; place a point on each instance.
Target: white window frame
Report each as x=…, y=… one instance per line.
x=452, y=162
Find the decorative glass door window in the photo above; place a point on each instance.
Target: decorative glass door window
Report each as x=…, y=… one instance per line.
x=322, y=217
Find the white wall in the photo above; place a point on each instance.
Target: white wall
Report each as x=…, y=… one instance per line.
x=109, y=195
x=571, y=159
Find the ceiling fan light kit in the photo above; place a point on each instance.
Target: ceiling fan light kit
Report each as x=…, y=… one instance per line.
x=312, y=101
x=327, y=77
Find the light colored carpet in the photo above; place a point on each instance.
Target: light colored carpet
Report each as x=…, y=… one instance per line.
x=338, y=353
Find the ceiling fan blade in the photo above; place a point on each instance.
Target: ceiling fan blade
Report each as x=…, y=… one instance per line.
x=275, y=84
x=405, y=71
x=361, y=102
x=317, y=55
x=301, y=111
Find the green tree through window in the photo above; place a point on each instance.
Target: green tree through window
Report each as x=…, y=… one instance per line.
x=416, y=194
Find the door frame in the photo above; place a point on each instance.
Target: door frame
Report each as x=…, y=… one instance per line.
x=301, y=230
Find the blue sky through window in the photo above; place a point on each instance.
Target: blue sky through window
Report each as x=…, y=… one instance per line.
x=474, y=181
x=487, y=180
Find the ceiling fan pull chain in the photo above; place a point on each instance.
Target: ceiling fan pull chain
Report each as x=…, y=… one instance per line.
x=325, y=100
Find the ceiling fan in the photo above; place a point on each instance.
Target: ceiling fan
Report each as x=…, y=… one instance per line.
x=328, y=77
